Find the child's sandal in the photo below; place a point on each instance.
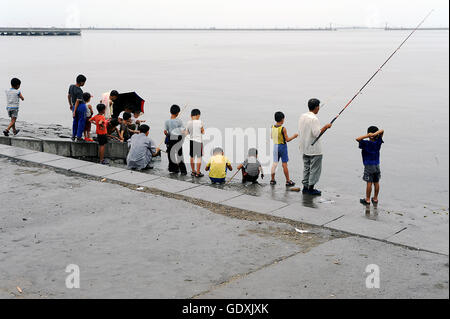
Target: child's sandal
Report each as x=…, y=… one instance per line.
x=273, y=183
x=290, y=184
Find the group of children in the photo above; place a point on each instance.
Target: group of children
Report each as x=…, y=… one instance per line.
x=142, y=148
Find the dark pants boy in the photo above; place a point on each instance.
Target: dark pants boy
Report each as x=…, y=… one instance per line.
x=175, y=154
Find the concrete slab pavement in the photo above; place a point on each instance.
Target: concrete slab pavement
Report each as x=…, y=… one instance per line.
x=39, y=158
x=307, y=215
x=67, y=163
x=169, y=185
x=337, y=269
x=210, y=194
x=97, y=170
x=131, y=177
x=363, y=226
x=430, y=239
x=381, y=226
x=255, y=204
x=13, y=152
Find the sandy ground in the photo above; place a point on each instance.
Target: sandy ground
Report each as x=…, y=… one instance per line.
x=131, y=244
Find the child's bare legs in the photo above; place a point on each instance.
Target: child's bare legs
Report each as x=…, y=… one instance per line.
x=368, y=192
x=286, y=172
x=377, y=191
x=274, y=169
x=101, y=153
x=199, y=165
x=193, y=165
x=12, y=125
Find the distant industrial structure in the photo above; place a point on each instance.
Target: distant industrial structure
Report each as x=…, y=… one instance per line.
x=40, y=32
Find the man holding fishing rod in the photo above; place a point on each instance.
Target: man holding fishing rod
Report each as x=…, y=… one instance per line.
x=309, y=129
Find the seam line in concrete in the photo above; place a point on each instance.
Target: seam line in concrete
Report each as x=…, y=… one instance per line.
x=274, y=210
x=223, y=201
x=332, y=220
x=187, y=189
x=401, y=230
x=243, y=275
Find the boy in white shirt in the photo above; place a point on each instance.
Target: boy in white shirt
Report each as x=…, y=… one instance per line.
x=13, y=97
x=195, y=130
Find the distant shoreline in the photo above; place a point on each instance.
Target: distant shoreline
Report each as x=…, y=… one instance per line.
x=77, y=31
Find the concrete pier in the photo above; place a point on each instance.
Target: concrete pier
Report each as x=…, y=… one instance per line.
x=40, y=32
x=67, y=148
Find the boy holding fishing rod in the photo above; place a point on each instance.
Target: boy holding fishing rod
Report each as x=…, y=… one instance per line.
x=174, y=131
x=370, y=144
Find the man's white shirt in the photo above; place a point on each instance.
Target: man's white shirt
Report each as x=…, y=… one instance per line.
x=308, y=130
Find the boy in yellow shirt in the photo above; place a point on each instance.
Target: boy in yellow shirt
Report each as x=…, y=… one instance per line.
x=217, y=166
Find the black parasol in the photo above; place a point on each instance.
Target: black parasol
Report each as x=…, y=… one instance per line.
x=128, y=100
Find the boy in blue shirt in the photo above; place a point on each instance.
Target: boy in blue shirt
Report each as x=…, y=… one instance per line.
x=371, y=159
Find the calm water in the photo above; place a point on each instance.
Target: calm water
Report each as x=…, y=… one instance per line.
x=239, y=79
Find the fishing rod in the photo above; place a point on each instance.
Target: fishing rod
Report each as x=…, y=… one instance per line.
x=232, y=177
x=373, y=76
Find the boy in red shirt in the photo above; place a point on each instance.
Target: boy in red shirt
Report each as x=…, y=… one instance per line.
x=102, y=132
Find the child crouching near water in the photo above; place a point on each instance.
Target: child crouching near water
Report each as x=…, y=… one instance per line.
x=102, y=132
x=141, y=150
x=251, y=168
x=218, y=166
x=371, y=159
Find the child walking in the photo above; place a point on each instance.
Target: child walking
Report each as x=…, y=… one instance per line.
x=251, y=168
x=280, y=139
x=371, y=160
x=13, y=97
x=218, y=166
x=195, y=130
x=174, y=132
x=102, y=132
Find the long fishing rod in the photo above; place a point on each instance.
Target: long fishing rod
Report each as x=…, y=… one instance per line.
x=375, y=74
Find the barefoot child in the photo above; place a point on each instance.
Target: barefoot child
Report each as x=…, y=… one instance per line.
x=13, y=97
x=218, y=166
x=280, y=150
x=102, y=132
x=371, y=159
x=195, y=130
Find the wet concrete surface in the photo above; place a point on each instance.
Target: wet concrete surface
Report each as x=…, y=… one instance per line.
x=142, y=245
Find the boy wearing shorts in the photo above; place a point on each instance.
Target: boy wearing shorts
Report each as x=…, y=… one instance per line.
x=280, y=139
x=13, y=97
x=102, y=132
x=370, y=144
x=195, y=130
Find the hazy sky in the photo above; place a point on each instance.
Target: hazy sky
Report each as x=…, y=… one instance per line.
x=221, y=13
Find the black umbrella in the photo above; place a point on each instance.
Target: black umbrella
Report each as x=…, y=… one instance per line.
x=128, y=100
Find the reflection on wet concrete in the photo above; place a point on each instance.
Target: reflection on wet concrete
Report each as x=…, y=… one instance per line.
x=371, y=211
x=263, y=189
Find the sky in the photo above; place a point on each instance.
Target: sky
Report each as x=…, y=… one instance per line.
x=221, y=13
